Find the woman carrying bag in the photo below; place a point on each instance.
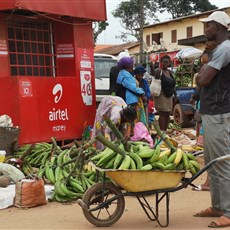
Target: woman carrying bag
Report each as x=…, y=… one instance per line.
x=164, y=102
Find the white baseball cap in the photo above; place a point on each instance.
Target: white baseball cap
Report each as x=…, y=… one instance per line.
x=218, y=16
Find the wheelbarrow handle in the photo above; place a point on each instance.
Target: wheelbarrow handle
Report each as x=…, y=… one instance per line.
x=222, y=158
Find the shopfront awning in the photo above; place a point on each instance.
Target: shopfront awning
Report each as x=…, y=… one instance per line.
x=192, y=41
x=87, y=9
x=197, y=39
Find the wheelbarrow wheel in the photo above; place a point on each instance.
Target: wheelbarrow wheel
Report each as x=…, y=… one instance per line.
x=107, y=214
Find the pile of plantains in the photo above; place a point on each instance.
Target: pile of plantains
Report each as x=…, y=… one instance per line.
x=68, y=169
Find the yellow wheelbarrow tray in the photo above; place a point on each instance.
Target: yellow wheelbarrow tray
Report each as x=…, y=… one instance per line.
x=103, y=203
x=140, y=181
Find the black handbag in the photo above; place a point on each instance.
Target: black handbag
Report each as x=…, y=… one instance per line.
x=168, y=85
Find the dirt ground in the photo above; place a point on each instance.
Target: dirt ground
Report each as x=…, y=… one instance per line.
x=183, y=204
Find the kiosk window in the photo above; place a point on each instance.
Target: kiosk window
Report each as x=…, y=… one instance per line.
x=31, y=48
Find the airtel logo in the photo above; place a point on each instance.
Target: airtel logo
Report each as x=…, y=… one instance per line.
x=57, y=92
x=57, y=114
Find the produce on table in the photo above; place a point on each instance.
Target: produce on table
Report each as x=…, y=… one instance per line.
x=185, y=72
x=183, y=75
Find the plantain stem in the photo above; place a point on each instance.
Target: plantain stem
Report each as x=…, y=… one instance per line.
x=82, y=156
x=110, y=145
x=69, y=162
x=27, y=152
x=113, y=127
x=54, y=146
x=54, y=142
x=73, y=169
x=117, y=133
x=163, y=136
x=77, y=144
x=84, y=147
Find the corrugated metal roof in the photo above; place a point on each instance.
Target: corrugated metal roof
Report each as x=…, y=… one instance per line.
x=116, y=49
x=101, y=46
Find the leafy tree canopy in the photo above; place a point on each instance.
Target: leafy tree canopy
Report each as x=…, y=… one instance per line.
x=98, y=28
x=129, y=14
x=180, y=8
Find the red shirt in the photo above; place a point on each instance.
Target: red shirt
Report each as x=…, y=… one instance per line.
x=151, y=106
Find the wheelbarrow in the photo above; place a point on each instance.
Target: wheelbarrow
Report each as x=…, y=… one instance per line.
x=103, y=203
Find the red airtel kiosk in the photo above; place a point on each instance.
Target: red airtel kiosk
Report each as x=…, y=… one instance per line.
x=47, y=67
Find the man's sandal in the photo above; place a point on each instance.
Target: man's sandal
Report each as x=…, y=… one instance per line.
x=201, y=188
x=221, y=222
x=209, y=212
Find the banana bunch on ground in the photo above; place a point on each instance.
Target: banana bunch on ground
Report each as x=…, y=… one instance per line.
x=142, y=157
x=69, y=176
x=62, y=168
x=68, y=187
x=30, y=157
x=27, y=168
x=174, y=126
x=62, y=162
x=47, y=168
x=39, y=153
x=73, y=188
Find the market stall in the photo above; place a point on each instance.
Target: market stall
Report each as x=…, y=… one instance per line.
x=47, y=68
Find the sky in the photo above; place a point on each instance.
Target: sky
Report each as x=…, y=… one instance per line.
x=109, y=35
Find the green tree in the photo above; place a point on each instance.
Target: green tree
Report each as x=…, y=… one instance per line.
x=130, y=13
x=98, y=28
x=180, y=8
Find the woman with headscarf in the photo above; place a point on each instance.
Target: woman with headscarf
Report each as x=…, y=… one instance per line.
x=127, y=89
x=116, y=109
x=126, y=83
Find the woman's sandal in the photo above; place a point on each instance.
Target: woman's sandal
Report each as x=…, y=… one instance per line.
x=221, y=222
x=209, y=212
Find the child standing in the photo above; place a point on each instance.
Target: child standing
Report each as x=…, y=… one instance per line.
x=151, y=111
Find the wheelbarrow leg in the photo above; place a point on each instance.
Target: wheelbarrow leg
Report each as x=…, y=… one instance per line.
x=153, y=215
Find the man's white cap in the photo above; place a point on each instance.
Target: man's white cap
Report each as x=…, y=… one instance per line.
x=218, y=16
x=123, y=54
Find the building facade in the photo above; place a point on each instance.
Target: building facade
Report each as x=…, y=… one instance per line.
x=177, y=33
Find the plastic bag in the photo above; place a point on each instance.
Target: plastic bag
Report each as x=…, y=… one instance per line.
x=141, y=134
x=5, y=121
x=155, y=87
x=11, y=171
x=189, y=53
